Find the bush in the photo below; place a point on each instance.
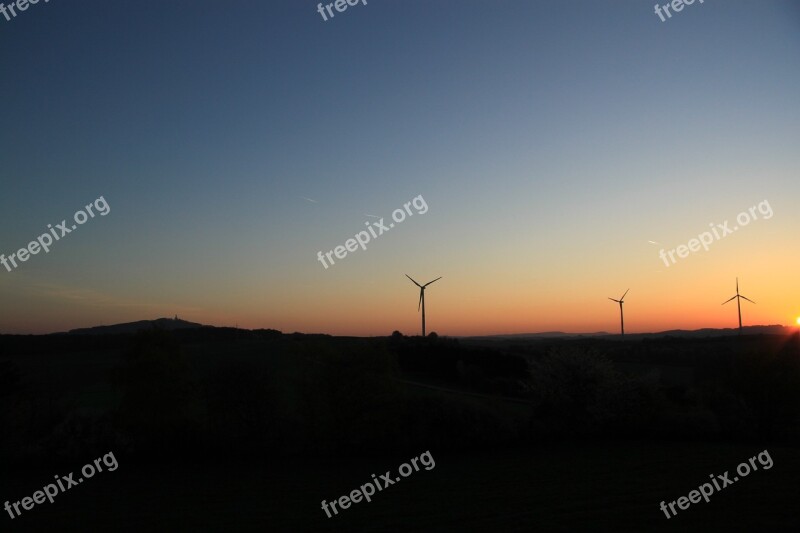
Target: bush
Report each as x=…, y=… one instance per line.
x=578, y=392
x=569, y=387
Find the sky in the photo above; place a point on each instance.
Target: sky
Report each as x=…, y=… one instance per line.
x=558, y=146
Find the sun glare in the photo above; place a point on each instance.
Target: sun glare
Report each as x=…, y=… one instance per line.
x=798, y=321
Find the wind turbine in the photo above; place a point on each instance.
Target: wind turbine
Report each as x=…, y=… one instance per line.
x=621, y=318
x=738, y=299
x=422, y=298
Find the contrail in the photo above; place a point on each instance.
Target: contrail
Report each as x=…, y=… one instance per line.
x=309, y=199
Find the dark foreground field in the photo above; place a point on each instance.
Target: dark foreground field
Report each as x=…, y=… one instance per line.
x=610, y=487
x=224, y=430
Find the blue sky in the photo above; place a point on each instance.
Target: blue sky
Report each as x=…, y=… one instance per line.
x=551, y=141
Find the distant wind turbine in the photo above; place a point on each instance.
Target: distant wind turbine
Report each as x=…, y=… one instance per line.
x=422, y=298
x=738, y=299
x=621, y=318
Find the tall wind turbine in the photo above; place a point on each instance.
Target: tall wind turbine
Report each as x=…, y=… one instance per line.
x=621, y=318
x=738, y=299
x=422, y=298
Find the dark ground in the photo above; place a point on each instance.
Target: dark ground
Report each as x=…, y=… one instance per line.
x=610, y=487
x=232, y=431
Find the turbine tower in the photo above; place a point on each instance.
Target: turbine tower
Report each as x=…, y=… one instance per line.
x=738, y=299
x=621, y=318
x=422, y=298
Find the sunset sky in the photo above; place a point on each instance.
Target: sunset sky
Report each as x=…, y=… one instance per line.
x=551, y=141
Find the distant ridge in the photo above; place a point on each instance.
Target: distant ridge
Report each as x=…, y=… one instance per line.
x=171, y=324
x=168, y=324
x=726, y=332
x=681, y=333
x=542, y=335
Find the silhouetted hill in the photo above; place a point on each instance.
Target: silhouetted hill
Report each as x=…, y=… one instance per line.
x=540, y=335
x=710, y=332
x=168, y=324
x=681, y=333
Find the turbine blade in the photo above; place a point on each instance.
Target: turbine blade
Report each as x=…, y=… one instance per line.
x=746, y=298
x=613, y=300
x=415, y=283
x=437, y=279
x=421, y=296
x=726, y=301
x=623, y=296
